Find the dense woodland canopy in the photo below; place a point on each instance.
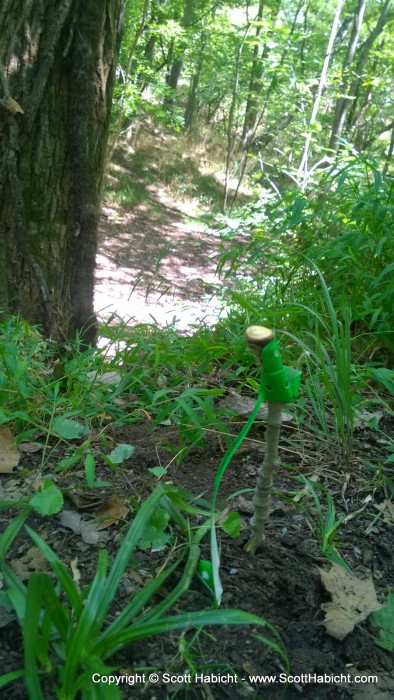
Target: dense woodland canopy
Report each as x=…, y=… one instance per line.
x=289, y=82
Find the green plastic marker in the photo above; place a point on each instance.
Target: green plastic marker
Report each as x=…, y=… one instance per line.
x=279, y=385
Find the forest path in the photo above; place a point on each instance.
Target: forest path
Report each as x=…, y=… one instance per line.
x=156, y=263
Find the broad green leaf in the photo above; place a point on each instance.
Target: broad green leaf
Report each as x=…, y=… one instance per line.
x=67, y=428
x=384, y=619
x=49, y=500
x=154, y=535
x=232, y=524
x=120, y=453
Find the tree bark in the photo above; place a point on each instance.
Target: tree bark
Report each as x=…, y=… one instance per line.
x=177, y=63
x=192, y=97
x=257, y=74
x=57, y=61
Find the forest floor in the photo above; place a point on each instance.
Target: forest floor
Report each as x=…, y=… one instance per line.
x=156, y=258
x=283, y=583
x=156, y=262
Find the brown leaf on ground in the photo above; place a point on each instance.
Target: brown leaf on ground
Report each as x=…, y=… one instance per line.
x=353, y=600
x=9, y=453
x=110, y=512
x=30, y=447
x=387, y=510
x=32, y=560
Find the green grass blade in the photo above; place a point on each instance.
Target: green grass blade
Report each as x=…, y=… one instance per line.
x=139, y=601
x=12, y=531
x=199, y=619
x=130, y=542
x=16, y=591
x=60, y=570
x=35, y=594
x=181, y=588
x=218, y=478
x=83, y=636
x=11, y=677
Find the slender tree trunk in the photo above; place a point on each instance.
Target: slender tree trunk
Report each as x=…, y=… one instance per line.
x=230, y=134
x=191, y=101
x=389, y=154
x=57, y=62
x=117, y=127
x=344, y=102
x=260, y=117
x=177, y=63
x=254, y=82
x=303, y=168
x=257, y=75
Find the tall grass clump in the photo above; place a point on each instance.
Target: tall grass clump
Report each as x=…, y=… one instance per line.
x=319, y=264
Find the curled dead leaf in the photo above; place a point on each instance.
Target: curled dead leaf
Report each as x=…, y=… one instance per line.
x=111, y=512
x=13, y=106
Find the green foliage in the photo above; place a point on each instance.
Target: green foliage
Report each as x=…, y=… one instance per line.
x=66, y=633
x=319, y=265
x=384, y=620
x=323, y=520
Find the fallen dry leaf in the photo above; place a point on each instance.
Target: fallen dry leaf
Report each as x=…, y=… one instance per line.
x=244, y=405
x=75, y=571
x=33, y=560
x=387, y=510
x=30, y=447
x=86, y=528
x=9, y=453
x=353, y=600
x=110, y=512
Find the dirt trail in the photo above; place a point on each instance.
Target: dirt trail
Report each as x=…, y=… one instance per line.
x=155, y=263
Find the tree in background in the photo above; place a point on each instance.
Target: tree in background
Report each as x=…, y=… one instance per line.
x=289, y=94
x=57, y=64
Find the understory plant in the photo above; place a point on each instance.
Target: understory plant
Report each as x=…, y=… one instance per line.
x=324, y=522
x=68, y=634
x=331, y=382
x=279, y=385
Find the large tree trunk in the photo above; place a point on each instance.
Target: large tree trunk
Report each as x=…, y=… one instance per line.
x=57, y=61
